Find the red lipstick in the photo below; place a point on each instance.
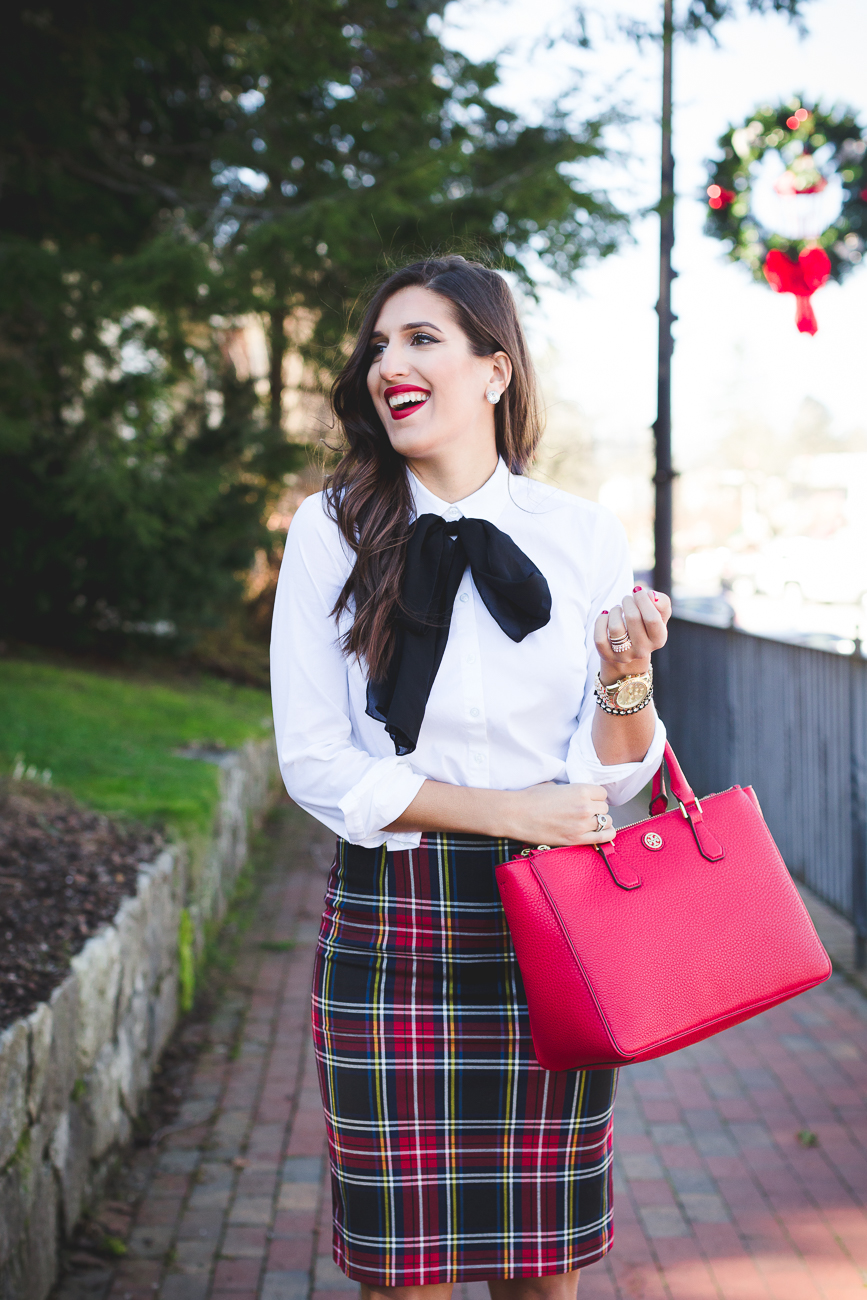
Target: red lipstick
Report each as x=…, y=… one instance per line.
x=415, y=398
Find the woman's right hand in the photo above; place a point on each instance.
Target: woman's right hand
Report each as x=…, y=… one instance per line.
x=560, y=814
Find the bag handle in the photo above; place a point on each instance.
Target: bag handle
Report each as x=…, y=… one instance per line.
x=680, y=787
x=659, y=792
x=708, y=846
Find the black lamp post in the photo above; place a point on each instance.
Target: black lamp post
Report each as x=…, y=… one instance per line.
x=663, y=520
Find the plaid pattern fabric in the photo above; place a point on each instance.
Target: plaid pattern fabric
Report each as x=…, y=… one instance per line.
x=454, y=1155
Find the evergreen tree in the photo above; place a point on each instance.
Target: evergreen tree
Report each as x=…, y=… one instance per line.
x=135, y=469
x=169, y=167
x=366, y=140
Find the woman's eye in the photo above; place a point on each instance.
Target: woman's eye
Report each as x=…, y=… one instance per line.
x=416, y=340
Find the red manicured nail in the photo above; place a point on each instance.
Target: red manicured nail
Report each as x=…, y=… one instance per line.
x=655, y=597
x=605, y=611
x=634, y=589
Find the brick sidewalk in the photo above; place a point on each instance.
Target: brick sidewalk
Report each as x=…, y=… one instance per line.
x=716, y=1195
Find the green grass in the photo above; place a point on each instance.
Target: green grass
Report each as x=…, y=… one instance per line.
x=109, y=739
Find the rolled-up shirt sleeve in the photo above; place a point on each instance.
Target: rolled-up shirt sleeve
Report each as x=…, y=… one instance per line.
x=352, y=792
x=623, y=781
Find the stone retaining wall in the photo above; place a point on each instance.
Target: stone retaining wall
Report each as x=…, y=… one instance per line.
x=73, y=1074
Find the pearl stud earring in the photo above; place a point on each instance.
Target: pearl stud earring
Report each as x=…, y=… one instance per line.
x=492, y=396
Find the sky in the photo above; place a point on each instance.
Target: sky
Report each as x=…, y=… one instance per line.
x=737, y=349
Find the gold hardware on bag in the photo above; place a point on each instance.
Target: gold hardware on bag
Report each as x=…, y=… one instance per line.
x=697, y=804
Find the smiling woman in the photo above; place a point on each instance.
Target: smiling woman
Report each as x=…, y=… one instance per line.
x=436, y=353
x=450, y=685
x=446, y=329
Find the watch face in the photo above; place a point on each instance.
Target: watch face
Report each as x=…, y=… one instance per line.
x=631, y=693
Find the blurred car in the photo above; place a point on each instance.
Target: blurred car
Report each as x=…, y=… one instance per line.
x=713, y=610
x=830, y=571
x=842, y=645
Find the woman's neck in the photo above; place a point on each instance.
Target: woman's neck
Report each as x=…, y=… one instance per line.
x=452, y=480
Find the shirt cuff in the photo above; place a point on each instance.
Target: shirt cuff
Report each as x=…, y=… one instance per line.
x=383, y=793
x=623, y=781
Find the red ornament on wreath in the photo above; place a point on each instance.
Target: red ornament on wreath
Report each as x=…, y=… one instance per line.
x=790, y=196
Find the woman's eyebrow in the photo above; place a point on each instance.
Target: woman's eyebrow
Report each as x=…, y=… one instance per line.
x=412, y=325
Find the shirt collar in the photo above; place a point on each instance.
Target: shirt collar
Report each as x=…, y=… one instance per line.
x=487, y=503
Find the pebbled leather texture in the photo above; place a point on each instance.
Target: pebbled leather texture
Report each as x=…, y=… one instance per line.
x=618, y=972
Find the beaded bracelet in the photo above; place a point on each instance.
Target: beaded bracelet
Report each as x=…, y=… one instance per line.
x=623, y=713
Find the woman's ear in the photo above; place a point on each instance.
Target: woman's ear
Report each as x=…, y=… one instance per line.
x=501, y=371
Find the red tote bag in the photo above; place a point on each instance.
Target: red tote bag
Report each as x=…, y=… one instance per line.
x=686, y=924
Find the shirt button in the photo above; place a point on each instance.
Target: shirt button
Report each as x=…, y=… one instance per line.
x=478, y=758
x=464, y=596
x=474, y=713
x=471, y=659
x=452, y=514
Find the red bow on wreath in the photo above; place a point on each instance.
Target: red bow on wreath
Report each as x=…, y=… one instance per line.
x=802, y=278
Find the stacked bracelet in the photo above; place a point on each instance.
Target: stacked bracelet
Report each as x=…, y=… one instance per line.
x=627, y=695
x=623, y=713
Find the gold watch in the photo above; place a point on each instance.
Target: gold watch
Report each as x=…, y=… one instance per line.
x=627, y=694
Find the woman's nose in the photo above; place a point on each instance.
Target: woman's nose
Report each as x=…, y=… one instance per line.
x=392, y=364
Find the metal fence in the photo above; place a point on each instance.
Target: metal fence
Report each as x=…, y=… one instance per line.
x=790, y=721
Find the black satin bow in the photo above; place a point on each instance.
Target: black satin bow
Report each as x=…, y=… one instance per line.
x=515, y=593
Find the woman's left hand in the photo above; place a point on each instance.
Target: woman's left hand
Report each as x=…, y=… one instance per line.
x=644, y=615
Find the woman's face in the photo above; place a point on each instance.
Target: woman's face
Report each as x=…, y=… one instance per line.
x=428, y=388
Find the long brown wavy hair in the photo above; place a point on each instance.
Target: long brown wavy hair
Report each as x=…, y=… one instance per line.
x=368, y=494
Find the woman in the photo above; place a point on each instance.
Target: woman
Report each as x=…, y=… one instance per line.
x=439, y=624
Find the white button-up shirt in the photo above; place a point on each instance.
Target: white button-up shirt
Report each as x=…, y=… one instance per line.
x=501, y=715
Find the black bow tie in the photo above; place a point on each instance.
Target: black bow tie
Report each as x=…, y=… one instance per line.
x=515, y=593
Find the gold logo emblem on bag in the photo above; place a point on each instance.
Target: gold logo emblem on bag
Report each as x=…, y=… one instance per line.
x=652, y=840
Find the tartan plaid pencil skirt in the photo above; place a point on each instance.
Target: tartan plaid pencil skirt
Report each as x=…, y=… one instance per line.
x=454, y=1155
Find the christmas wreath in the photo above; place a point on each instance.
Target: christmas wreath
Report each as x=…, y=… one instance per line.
x=790, y=196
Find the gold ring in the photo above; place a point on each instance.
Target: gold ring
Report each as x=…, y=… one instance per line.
x=601, y=822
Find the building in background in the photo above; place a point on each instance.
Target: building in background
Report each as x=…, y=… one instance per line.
x=774, y=527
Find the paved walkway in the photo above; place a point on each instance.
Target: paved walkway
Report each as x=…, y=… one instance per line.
x=741, y=1163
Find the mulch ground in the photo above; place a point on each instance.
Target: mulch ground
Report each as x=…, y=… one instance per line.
x=63, y=873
